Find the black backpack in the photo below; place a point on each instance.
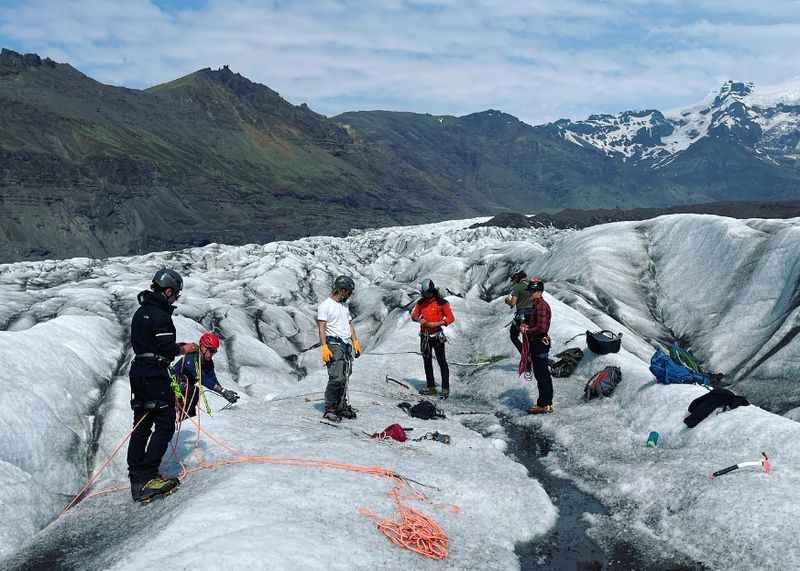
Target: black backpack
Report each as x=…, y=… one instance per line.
x=703, y=406
x=424, y=409
x=603, y=342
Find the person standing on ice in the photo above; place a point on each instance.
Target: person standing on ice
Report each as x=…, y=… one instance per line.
x=339, y=345
x=433, y=312
x=520, y=300
x=152, y=397
x=194, y=367
x=536, y=346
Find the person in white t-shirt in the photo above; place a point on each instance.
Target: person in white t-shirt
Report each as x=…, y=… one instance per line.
x=340, y=345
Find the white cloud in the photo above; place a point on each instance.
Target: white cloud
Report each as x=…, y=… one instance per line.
x=539, y=60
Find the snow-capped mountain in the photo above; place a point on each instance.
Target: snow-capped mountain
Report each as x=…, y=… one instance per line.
x=765, y=120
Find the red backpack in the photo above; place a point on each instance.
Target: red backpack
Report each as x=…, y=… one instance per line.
x=393, y=431
x=603, y=383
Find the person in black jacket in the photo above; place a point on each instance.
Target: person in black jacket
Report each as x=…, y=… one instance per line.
x=152, y=397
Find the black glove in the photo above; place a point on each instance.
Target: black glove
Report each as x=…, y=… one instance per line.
x=230, y=396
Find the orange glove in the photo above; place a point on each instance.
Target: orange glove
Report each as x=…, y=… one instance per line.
x=357, y=347
x=327, y=354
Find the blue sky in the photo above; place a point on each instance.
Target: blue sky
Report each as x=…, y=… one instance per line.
x=539, y=59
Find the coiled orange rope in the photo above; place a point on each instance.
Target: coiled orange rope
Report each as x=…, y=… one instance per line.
x=408, y=528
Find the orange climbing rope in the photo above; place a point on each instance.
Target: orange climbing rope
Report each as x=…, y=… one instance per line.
x=96, y=475
x=408, y=528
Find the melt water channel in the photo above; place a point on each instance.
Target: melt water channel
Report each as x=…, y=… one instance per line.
x=568, y=545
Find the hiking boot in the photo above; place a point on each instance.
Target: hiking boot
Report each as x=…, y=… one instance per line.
x=546, y=409
x=347, y=412
x=175, y=480
x=444, y=394
x=429, y=391
x=332, y=416
x=153, y=489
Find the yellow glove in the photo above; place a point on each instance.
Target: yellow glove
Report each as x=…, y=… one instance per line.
x=327, y=354
x=357, y=347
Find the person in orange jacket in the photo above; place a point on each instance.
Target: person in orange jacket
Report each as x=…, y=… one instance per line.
x=433, y=313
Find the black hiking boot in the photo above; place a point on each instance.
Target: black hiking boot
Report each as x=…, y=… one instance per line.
x=429, y=391
x=332, y=416
x=155, y=488
x=444, y=394
x=347, y=412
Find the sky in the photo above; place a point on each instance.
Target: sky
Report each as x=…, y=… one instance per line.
x=539, y=60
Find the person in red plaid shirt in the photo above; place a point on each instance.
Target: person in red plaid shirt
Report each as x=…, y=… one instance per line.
x=535, y=331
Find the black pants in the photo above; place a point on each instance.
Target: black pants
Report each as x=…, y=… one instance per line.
x=519, y=319
x=152, y=396
x=430, y=344
x=514, y=333
x=339, y=370
x=538, y=353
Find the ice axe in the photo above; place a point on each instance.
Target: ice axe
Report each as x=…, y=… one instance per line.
x=764, y=463
x=402, y=384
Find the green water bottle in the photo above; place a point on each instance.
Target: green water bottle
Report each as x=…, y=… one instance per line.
x=652, y=440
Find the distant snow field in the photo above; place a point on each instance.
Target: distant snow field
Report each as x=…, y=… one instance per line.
x=727, y=289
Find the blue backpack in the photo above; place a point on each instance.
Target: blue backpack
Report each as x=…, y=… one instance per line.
x=669, y=372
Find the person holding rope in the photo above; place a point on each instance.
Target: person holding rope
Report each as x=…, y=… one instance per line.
x=433, y=313
x=536, y=346
x=152, y=397
x=339, y=345
x=194, y=367
x=520, y=300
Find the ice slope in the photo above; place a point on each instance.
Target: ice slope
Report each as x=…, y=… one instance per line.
x=724, y=287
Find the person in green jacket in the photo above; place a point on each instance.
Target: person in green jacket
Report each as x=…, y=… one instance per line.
x=520, y=300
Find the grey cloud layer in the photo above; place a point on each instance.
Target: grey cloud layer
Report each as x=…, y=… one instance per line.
x=539, y=60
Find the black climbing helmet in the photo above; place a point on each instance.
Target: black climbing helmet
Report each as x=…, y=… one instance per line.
x=518, y=275
x=535, y=284
x=168, y=278
x=427, y=288
x=344, y=282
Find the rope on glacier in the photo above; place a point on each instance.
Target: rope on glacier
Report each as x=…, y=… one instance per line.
x=475, y=364
x=96, y=475
x=408, y=528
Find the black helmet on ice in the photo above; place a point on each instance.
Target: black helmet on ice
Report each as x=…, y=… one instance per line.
x=168, y=278
x=344, y=282
x=427, y=288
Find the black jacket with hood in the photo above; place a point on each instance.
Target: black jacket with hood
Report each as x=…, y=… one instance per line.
x=152, y=331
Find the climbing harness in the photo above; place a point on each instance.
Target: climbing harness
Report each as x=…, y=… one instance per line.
x=436, y=435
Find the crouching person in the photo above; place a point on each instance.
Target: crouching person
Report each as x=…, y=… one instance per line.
x=199, y=367
x=152, y=396
x=339, y=345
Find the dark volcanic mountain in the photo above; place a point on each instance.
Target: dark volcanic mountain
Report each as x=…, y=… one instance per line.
x=90, y=169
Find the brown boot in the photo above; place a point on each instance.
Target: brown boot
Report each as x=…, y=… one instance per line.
x=546, y=409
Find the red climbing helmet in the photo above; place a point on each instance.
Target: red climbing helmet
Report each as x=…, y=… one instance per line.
x=209, y=340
